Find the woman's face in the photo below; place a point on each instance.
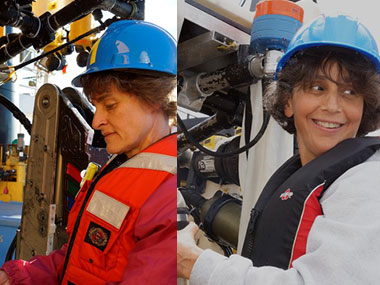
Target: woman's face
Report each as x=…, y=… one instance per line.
x=325, y=114
x=127, y=124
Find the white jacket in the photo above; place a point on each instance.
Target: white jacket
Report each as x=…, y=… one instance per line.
x=343, y=245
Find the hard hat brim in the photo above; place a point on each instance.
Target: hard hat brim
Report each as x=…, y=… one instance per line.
x=285, y=59
x=77, y=80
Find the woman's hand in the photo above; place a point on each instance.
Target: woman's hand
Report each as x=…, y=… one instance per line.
x=187, y=250
x=4, y=278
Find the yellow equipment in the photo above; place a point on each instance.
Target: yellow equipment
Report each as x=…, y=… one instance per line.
x=12, y=174
x=78, y=28
x=91, y=170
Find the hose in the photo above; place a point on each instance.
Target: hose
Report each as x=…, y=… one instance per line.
x=231, y=153
x=93, y=31
x=259, y=135
x=17, y=113
x=11, y=249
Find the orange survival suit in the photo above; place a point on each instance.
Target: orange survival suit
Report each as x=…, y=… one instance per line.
x=105, y=230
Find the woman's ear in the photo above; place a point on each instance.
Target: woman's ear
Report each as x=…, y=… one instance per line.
x=289, y=108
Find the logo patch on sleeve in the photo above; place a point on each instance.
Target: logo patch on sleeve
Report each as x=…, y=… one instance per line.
x=97, y=236
x=286, y=195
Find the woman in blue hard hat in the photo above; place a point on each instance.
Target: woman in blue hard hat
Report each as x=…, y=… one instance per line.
x=122, y=226
x=317, y=220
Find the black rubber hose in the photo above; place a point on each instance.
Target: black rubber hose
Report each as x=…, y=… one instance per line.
x=192, y=197
x=11, y=249
x=231, y=153
x=93, y=31
x=64, y=16
x=17, y=113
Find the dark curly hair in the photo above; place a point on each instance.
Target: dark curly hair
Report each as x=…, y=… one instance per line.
x=301, y=70
x=153, y=90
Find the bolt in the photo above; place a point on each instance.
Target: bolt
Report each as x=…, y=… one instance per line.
x=45, y=102
x=41, y=217
x=45, y=148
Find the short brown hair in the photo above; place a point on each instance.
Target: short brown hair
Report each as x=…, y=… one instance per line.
x=302, y=68
x=153, y=90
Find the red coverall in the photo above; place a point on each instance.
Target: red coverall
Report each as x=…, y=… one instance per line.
x=127, y=233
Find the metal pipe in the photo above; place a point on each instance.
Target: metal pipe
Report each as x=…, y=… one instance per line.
x=8, y=123
x=226, y=103
x=83, y=8
x=50, y=23
x=9, y=15
x=12, y=16
x=231, y=76
x=19, y=44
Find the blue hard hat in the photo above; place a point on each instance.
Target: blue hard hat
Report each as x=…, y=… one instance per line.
x=135, y=46
x=340, y=31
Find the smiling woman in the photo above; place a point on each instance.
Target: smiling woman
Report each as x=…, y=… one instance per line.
x=325, y=113
x=317, y=219
x=352, y=70
x=325, y=95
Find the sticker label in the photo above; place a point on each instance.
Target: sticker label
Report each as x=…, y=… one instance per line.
x=94, y=51
x=97, y=236
x=206, y=164
x=107, y=209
